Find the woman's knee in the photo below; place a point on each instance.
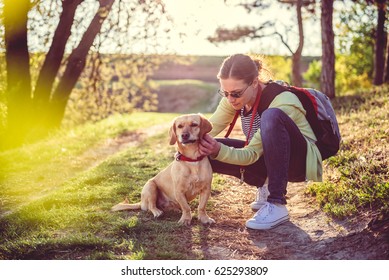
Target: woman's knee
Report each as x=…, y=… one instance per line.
x=271, y=118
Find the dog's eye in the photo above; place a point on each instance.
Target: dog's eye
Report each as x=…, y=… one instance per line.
x=194, y=125
x=180, y=126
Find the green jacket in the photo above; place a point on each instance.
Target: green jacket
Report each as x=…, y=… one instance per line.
x=288, y=103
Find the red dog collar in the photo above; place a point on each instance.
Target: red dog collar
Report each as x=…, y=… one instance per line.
x=180, y=156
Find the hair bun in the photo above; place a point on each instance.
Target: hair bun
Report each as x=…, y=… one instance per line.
x=258, y=63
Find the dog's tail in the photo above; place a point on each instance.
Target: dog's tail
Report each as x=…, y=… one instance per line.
x=125, y=205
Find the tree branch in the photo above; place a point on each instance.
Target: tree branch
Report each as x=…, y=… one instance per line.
x=284, y=42
x=239, y=32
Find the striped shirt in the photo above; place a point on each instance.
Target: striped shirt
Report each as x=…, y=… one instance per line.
x=246, y=119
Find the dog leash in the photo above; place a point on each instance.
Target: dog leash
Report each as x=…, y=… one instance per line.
x=232, y=124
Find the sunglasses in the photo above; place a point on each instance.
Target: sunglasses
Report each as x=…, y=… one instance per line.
x=234, y=94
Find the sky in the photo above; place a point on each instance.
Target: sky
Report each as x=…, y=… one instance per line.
x=198, y=19
x=195, y=20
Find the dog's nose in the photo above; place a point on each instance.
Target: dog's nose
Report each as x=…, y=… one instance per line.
x=185, y=136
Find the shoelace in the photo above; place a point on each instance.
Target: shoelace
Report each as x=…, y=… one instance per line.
x=266, y=207
x=261, y=194
x=258, y=195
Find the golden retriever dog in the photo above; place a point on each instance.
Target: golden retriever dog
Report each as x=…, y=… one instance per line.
x=186, y=177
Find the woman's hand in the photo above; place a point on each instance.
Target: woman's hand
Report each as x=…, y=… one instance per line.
x=209, y=146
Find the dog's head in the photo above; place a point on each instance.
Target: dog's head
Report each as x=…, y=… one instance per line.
x=188, y=129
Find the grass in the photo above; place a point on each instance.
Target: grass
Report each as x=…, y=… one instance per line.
x=357, y=178
x=75, y=219
x=36, y=169
x=55, y=197
x=72, y=220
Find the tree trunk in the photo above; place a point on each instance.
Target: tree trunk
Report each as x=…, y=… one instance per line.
x=380, y=44
x=18, y=70
x=76, y=64
x=55, y=55
x=297, y=78
x=327, y=77
x=386, y=75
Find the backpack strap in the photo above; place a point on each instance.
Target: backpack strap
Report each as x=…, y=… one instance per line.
x=311, y=108
x=268, y=94
x=307, y=100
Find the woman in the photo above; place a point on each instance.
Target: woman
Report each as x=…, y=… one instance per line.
x=280, y=143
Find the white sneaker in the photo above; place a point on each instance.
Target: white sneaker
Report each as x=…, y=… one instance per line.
x=260, y=198
x=269, y=216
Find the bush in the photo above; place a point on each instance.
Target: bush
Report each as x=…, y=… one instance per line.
x=112, y=85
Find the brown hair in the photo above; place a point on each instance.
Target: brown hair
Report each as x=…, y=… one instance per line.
x=244, y=67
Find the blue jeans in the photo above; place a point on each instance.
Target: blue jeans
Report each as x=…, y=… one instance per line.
x=283, y=159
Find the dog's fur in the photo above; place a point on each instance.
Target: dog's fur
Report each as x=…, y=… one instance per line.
x=181, y=181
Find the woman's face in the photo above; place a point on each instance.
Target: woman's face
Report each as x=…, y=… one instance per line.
x=238, y=87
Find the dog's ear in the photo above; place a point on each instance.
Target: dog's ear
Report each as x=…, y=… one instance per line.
x=172, y=134
x=205, y=126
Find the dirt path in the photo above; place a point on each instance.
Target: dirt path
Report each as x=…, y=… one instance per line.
x=309, y=234
x=99, y=153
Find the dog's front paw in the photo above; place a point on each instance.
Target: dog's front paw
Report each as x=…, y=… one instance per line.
x=156, y=212
x=185, y=220
x=206, y=220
